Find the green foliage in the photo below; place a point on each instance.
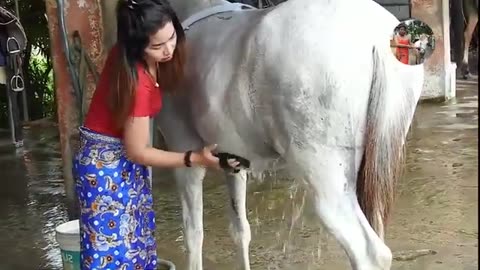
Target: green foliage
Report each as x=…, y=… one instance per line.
x=41, y=79
x=416, y=28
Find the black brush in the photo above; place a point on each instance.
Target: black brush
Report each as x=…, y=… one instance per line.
x=224, y=157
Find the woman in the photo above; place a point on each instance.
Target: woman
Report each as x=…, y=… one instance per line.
x=402, y=43
x=117, y=222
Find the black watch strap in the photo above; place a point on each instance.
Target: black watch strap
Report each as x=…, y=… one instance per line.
x=186, y=159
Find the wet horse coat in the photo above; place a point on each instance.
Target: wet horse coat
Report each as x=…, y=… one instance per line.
x=270, y=85
x=294, y=85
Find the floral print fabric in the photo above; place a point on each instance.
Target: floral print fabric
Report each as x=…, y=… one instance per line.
x=117, y=220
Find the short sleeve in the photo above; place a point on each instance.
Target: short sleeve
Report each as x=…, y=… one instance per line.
x=143, y=96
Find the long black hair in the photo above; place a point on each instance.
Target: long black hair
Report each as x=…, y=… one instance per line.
x=404, y=26
x=137, y=20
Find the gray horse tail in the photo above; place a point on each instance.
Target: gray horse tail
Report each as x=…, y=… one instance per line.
x=386, y=128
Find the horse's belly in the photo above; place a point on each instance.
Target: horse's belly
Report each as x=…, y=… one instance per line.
x=235, y=132
x=220, y=110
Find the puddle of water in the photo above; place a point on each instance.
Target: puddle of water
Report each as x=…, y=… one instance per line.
x=459, y=126
x=436, y=207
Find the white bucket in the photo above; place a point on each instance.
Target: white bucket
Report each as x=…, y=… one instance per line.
x=68, y=237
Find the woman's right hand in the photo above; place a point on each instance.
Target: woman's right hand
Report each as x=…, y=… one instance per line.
x=205, y=158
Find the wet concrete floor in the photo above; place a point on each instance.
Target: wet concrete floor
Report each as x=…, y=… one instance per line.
x=437, y=206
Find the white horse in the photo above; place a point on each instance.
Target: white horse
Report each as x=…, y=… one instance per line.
x=421, y=49
x=296, y=85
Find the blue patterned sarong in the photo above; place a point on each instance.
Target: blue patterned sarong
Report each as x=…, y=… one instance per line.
x=117, y=221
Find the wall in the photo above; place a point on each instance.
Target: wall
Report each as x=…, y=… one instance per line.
x=438, y=79
x=399, y=8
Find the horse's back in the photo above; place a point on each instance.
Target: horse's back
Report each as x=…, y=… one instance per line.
x=316, y=72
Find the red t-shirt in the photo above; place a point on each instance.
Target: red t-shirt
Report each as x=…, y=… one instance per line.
x=148, y=100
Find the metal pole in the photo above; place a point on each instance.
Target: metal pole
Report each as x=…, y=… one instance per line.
x=67, y=51
x=17, y=10
x=449, y=67
x=26, y=118
x=10, y=115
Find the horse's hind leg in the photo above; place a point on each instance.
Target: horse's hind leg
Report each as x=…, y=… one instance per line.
x=189, y=186
x=240, y=228
x=331, y=175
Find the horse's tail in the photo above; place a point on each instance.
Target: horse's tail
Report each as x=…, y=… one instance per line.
x=388, y=119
